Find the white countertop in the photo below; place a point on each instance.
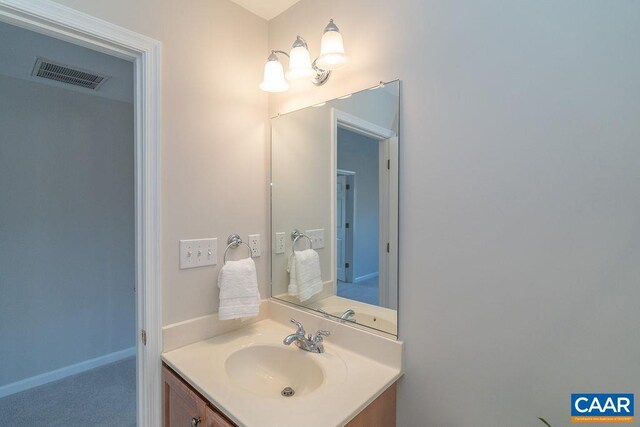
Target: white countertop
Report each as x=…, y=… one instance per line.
x=351, y=380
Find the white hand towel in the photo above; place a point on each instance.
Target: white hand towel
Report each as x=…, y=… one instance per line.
x=307, y=272
x=239, y=295
x=291, y=269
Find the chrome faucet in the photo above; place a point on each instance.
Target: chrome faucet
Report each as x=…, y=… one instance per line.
x=312, y=343
x=347, y=314
x=296, y=336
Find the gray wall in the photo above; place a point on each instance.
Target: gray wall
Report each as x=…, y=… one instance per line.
x=519, y=184
x=66, y=228
x=359, y=154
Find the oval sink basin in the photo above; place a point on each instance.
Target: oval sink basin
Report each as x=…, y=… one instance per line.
x=268, y=370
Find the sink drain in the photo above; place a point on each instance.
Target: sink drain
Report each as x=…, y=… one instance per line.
x=287, y=392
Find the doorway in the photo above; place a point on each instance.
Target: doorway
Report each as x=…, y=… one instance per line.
x=68, y=236
x=359, y=222
x=63, y=23
x=365, y=266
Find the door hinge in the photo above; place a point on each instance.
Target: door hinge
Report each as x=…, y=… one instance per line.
x=389, y=164
x=143, y=336
x=346, y=225
x=346, y=265
x=388, y=249
x=348, y=187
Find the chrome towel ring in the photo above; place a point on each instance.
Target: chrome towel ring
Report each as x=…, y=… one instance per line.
x=233, y=241
x=295, y=236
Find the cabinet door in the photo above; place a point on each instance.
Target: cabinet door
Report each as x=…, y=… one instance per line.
x=182, y=407
x=380, y=413
x=214, y=419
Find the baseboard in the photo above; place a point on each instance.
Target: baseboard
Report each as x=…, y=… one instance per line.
x=67, y=371
x=365, y=277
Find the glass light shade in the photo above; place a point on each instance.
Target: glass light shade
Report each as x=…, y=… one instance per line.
x=332, y=54
x=274, y=77
x=299, y=63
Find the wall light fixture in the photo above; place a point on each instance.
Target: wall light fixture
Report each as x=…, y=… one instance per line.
x=331, y=57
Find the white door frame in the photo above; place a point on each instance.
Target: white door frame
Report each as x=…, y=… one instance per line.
x=388, y=295
x=61, y=22
x=389, y=140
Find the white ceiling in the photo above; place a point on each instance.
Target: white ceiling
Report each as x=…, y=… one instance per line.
x=19, y=49
x=266, y=9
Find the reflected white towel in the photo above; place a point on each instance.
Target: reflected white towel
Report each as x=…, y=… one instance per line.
x=239, y=295
x=307, y=273
x=291, y=269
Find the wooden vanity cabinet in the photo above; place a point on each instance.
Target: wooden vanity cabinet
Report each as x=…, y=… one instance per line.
x=215, y=419
x=184, y=407
x=380, y=413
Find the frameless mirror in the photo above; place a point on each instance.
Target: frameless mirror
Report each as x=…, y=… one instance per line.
x=334, y=189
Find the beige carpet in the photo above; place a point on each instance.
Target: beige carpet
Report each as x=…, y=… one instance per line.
x=365, y=291
x=104, y=397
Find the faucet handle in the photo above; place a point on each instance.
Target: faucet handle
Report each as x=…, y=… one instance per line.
x=300, y=327
x=318, y=336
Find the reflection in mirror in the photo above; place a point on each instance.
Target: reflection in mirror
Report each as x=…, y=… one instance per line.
x=334, y=177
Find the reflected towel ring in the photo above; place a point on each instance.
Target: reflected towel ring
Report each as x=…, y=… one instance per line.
x=233, y=241
x=295, y=236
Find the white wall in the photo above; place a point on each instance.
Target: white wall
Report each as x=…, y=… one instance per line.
x=519, y=191
x=66, y=228
x=214, y=133
x=359, y=154
x=301, y=158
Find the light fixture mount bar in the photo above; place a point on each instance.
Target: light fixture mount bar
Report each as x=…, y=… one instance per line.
x=321, y=76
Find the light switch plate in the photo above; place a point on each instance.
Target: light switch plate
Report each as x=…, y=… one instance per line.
x=280, y=239
x=198, y=252
x=317, y=238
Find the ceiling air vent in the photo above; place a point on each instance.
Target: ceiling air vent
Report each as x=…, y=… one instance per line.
x=62, y=73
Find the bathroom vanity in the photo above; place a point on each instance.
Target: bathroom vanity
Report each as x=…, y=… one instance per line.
x=184, y=406
x=248, y=377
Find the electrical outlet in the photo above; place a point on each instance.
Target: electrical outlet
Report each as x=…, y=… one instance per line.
x=254, y=244
x=280, y=239
x=317, y=238
x=198, y=253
